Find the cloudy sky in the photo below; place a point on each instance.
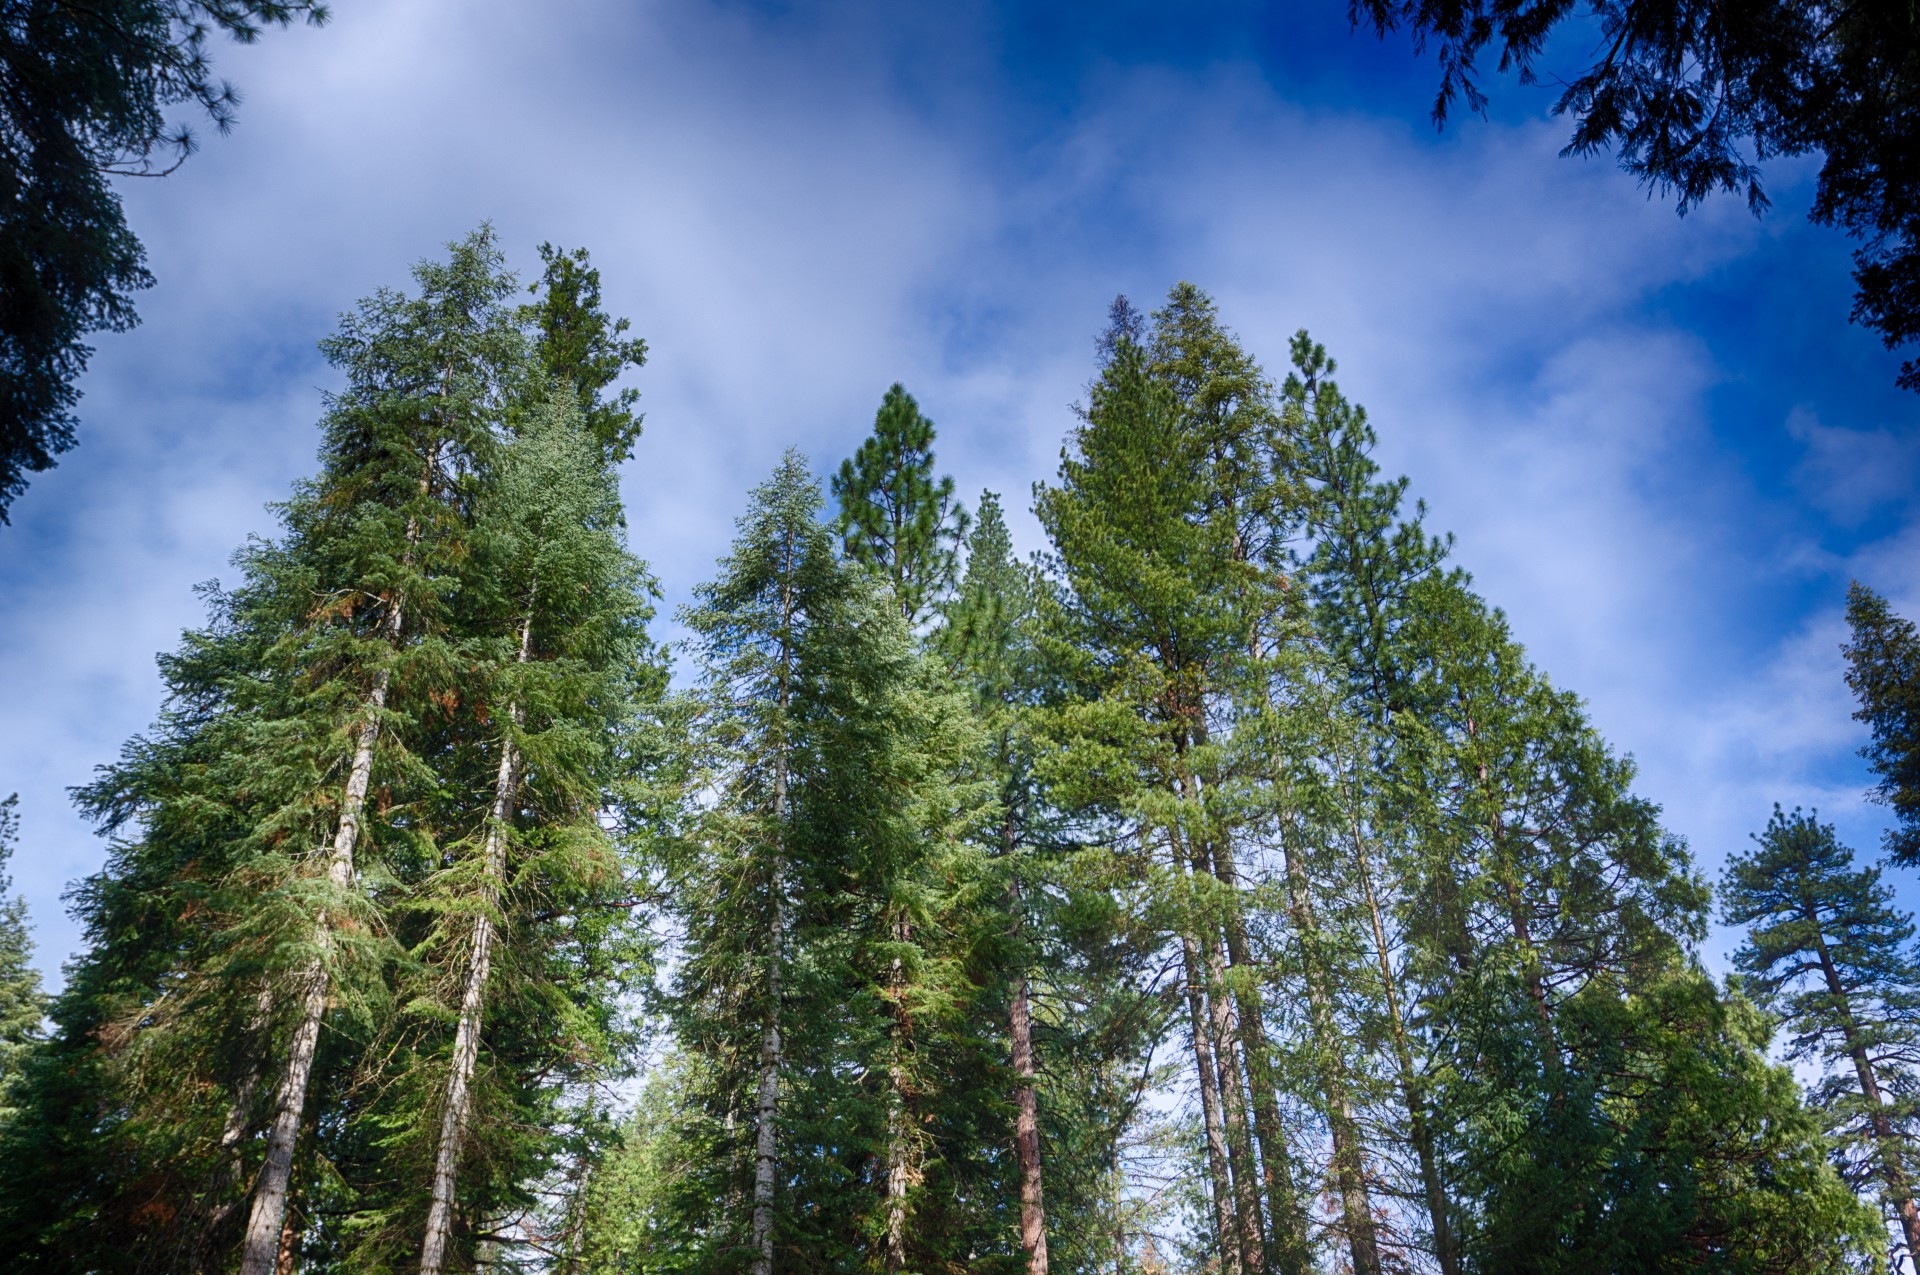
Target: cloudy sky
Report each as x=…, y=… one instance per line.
x=1660, y=445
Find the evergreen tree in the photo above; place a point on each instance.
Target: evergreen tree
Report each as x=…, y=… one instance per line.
x=895, y=516
x=1883, y=670
x=1587, y=1075
x=1826, y=950
x=514, y=946
x=334, y=926
x=23, y=1005
x=1167, y=523
x=576, y=343
x=828, y=753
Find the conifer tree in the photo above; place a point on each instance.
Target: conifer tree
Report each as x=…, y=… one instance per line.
x=576, y=343
x=1599, y=1102
x=1826, y=950
x=1166, y=526
x=558, y=664
x=305, y=859
x=895, y=516
x=22, y=1004
x=1883, y=670
x=990, y=640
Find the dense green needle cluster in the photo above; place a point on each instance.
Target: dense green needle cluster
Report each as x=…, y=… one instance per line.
x=1219, y=890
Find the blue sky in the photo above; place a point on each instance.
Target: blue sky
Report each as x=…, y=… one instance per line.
x=1660, y=445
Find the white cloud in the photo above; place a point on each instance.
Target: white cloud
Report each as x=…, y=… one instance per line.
x=798, y=210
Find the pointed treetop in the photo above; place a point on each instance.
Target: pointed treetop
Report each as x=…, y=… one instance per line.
x=580, y=345
x=895, y=516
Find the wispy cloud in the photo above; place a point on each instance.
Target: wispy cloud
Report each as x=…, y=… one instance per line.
x=799, y=208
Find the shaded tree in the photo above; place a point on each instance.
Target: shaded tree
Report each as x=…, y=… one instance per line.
x=1883, y=671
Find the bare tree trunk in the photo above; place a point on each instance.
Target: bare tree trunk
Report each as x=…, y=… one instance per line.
x=455, y=1108
x=900, y=1132
x=1226, y=1060
x=1349, y=1167
x=765, y=1146
x=1221, y=1181
x=1026, y=1132
x=1287, y=1228
x=1411, y=1092
x=260, y=1249
x=1886, y=1139
x=1026, y=1119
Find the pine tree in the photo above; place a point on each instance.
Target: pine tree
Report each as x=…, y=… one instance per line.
x=576, y=343
x=23, y=1005
x=1166, y=524
x=1883, y=670
x=989, y=638
x=514, y=936
x=895, y=516
x=1826, y=950
x=1597, y=1102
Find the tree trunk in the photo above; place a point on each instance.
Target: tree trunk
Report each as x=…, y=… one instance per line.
x=764, y=1146
x=1349, y=1167
x=770, y=1056
x=1289, y=1251
x=900, y=1132
x=455, y=1109
x=1885, y=1137
x=1228, y=1229
x=1026, y=1131
x=260, y=1249
x=1226, y=1060
x=1411, y=1092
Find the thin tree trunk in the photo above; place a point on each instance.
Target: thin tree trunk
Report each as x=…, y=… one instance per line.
x=1886, y=1139
x=1349, y=1166
x=900, y=1167
x=1228, y=1230
x=1245, y=1231
x=1026, y=1130
x=1289, y=1253
x=260, y=1249
x=455, y=1109
x=1438, y=1209
x=765, y=1146
x=1026, y=1118
x=1233, y=1116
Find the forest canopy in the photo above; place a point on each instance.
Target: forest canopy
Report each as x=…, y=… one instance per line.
x=1220, y=888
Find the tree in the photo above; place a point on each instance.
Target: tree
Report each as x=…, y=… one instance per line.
x=84, y=95
x=1826, y=950
x=894, y=515
x=23, y=1005
x=1693, y=97
x=1883, y=671
x=828, y=1099
x=578, y=344
x=243, y=933
x=515, y=920
x=1168, y=523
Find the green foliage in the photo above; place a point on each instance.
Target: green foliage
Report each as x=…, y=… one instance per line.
x=433, y=547
x=1883, y=671
x=23, y=1005
x=1693, y=97
x=895, y=517
x=88, y=90
x=1827, y=952
x=579, y=345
